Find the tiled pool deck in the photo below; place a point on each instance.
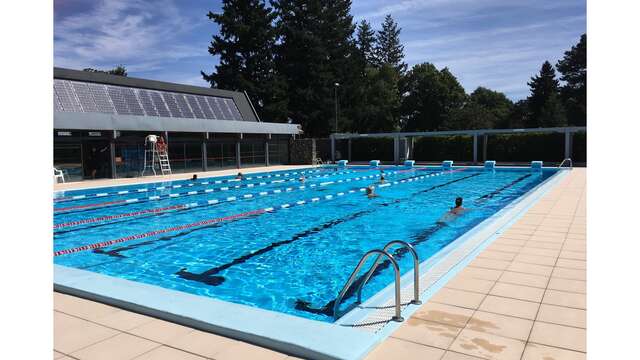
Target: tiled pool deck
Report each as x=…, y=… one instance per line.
x=523, y=297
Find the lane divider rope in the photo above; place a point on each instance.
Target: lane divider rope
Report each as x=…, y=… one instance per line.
x=234, y=217
x=207, y=202
x=65, y=210
x=177, y=186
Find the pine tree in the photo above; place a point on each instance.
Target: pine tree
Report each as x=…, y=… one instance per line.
x=245, y=46
x=316, y=51
x=544, y=106
x=573, y=67
x=388, y=48
x=366, y=40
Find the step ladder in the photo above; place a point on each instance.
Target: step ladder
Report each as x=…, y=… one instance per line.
x=155, y=156
x=384, y=252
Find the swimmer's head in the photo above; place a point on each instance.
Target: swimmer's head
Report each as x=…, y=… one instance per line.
x=369, y=190
x=458, y=201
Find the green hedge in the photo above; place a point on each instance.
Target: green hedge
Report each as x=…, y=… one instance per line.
x=526, y=147
x=456, y=148
x=502, y=148
x=371, y=149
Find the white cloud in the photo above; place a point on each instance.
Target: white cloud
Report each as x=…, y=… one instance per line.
x=142, y=35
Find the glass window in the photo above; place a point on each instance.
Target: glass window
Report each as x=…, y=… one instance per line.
x=252, y=154
x=278, y=152
x=129, y=160
x=68, y=158
x=193, y=156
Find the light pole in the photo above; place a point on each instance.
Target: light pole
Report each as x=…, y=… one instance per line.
x=335, y=94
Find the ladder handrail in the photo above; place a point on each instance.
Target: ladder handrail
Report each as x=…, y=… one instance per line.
x=396, y=269
x=416, y=270
x=570, y=163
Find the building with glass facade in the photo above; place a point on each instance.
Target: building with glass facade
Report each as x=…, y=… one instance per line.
x=101, y=121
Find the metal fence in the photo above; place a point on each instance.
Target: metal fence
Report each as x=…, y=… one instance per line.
x=505, y=145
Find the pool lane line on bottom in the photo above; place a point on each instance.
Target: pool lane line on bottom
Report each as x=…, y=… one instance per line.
x=210, y=276
x=117, y=252
x=208, y=202
x=245, y=214
x=177, y=186
x=86, y=207
x=398, y=254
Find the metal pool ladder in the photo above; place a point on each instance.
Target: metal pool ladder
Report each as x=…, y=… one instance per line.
x=396, y=269
x=566, y=160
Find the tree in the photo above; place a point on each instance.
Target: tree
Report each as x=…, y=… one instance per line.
x=544, y=102
x=518, y=116
x=485, y=109
x=119, y=70
x=388, y=48
x=245, y=46
x=573, y=67
x=381, y=97
x=430, y=98
x=316, y=50
x=366, y=42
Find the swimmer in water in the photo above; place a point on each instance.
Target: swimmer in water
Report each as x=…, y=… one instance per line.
x=194, y=178
x=302, y=179
x=453, y=212
x=239, y=176
x=371, y=192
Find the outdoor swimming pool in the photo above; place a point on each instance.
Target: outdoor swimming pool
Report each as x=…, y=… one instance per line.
x=270, y=241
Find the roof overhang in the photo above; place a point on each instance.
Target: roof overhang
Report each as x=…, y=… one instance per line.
x=100, y=121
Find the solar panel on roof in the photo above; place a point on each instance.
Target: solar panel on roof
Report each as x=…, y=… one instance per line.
x=78, y=96
x=66, y=98
x=84, y=96
x=225, y=108
x=172, y=105
x=117, y=98
x=72, y=96
x=233, y=109
x=195, y=107
x=159, y=104
x=147, y=103
x=132, y=101
x=183, y=106
x=202, y=101
x=56, y=104
x=213, y=104
x=101, y=98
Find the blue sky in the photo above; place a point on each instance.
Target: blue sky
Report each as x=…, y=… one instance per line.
x=498, y=44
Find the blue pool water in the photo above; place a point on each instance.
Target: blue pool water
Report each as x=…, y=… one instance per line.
x=270, y=241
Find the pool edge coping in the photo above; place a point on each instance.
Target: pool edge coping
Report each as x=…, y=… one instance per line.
x=491, y=225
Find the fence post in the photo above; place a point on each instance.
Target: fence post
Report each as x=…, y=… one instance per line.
x=349, y=151
x=484, y=146
x=238, y=164
x=204, y=152
x=475, y=148
x=333, y=147
x=567, y=144
x=396, y=150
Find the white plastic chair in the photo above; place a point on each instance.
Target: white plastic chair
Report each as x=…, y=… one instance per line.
x=58, y=174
